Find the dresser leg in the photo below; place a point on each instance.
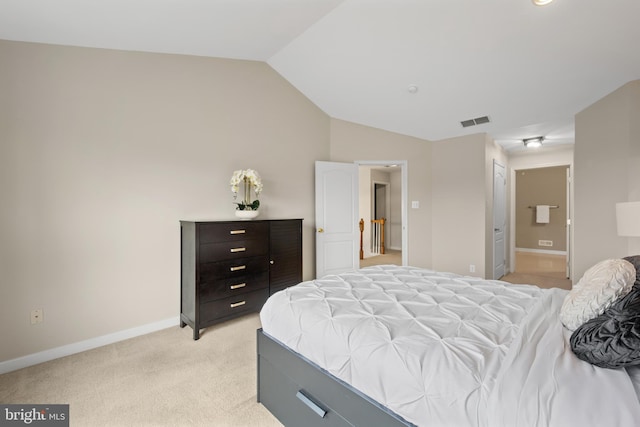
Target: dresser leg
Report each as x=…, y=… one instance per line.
x=196, y=334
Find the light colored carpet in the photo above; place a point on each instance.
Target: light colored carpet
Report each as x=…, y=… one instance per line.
x=538, y=280
x=160, y=379
x=390, y=257
x=543, y=270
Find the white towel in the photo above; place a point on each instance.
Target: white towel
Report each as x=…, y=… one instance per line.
x=542, y=214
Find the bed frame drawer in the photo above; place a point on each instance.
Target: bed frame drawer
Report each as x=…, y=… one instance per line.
x=282, y=374
x=292, y=410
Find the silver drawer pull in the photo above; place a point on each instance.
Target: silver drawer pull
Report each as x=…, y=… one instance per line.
x=238, y=304
x=311, y=404
x=240, y=267
x=237, y=231
x=238, y=286
x=234, y=250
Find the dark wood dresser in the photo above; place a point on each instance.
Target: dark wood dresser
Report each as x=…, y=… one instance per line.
x=229, y=268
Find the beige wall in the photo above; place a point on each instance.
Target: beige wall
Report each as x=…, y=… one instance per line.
x=607, y=165
x=463, y=204
x=459, y=204
x=541, y=186
x=103, y=152
x=351, y=142
x=560, y=156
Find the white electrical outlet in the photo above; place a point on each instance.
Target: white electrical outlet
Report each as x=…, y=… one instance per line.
x=37, y=316
x=472, y=268
x=415, y=204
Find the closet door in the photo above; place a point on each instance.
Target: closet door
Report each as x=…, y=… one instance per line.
x=285, y=254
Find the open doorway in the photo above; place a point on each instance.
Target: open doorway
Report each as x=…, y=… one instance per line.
x=542, y=210
x=382, y=213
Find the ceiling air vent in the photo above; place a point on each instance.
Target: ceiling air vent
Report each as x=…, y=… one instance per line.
x=476, y=121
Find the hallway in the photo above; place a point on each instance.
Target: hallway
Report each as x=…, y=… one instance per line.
x=391, y=257
x=543, y=270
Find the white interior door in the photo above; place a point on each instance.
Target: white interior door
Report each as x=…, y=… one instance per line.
x=337, y=228
x=499, y=219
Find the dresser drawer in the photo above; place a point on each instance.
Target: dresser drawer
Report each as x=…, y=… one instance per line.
x=232, y=269
x=235, y=249
x=231, y=231
x=224, y=288
x=232, y=306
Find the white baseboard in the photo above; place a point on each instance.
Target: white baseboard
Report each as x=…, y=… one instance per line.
x=67, y=350
x=541, y=251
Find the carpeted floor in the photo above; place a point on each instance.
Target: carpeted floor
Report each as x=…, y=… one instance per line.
x=390, y=257
x=538, y=280
x=160, y=379
x=545, y=271
x=165, y=378
x=541, y=269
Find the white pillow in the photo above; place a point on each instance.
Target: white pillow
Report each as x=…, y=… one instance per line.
x=600, y=286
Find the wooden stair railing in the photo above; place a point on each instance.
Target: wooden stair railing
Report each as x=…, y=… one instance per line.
x=361, y=231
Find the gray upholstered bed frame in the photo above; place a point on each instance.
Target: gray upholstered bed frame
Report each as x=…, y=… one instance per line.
x=301, y=394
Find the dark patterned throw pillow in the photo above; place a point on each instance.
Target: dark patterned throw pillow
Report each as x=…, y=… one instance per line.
x=612, y=340
x=635, y=260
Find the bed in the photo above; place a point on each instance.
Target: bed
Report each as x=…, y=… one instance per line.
x=406, y=346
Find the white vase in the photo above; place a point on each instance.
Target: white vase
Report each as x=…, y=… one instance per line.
x=246, y=214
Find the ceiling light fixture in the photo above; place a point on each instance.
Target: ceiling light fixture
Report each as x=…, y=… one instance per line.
x=533, y=142
x=412, y=89
x=541, y=2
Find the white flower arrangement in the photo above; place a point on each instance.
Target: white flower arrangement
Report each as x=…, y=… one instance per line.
x=249, y=178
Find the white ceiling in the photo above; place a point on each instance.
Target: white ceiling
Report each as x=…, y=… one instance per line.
x=529, y=68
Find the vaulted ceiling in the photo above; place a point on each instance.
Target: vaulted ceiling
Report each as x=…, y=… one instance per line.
x=416, y=67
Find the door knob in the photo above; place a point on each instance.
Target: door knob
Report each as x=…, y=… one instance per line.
x=320, y=230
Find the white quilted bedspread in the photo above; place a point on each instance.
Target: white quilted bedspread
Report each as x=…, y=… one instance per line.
x=440, y=349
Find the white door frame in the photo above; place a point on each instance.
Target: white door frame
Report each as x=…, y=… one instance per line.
x=512, y=213
x=403, y=164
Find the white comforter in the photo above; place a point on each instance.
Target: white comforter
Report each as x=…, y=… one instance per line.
x=440, y=349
